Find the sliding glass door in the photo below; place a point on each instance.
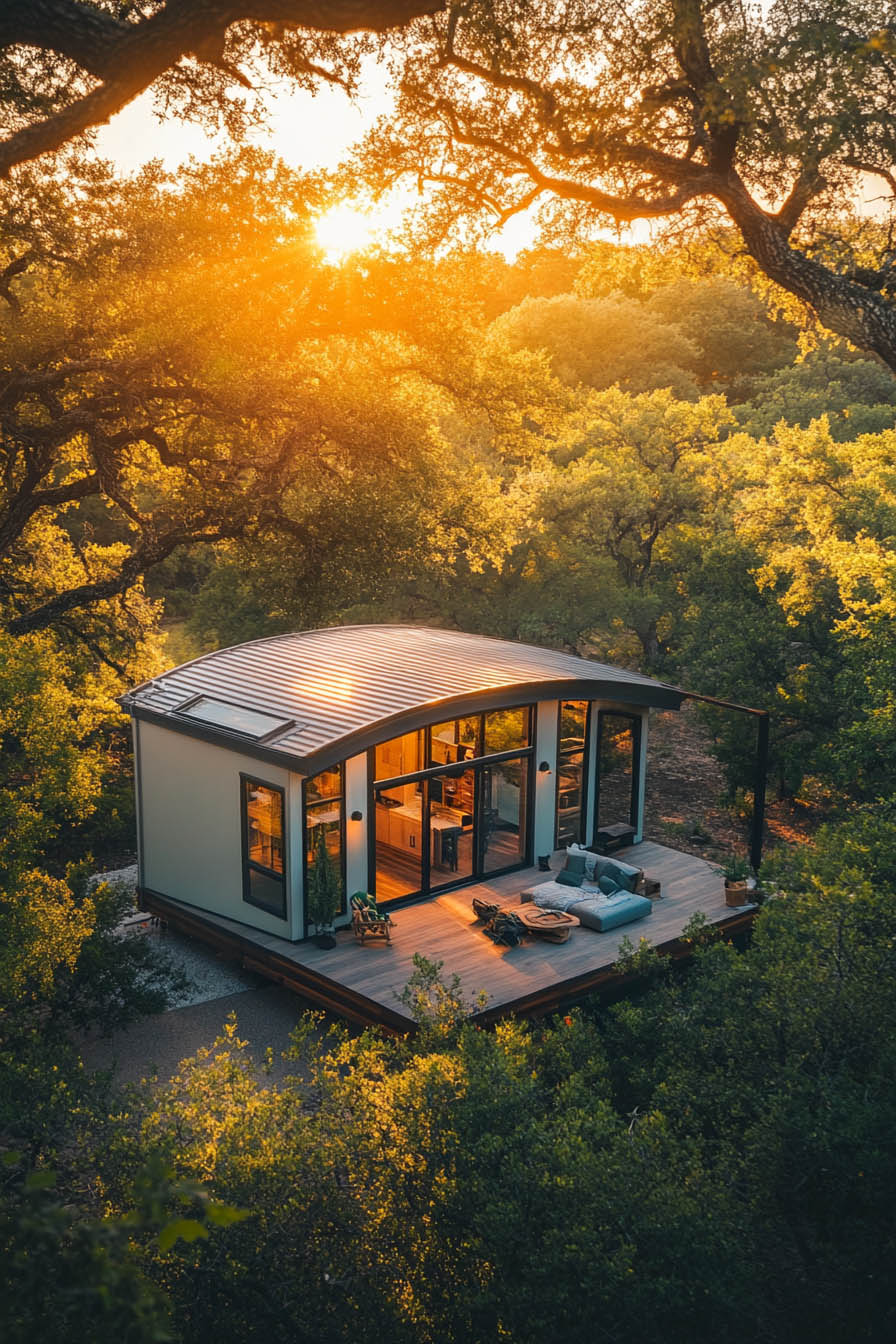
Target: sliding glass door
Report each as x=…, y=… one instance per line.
x=619, y=750
x=505, y=807
x=460, y=809
x=452, y=813
x=572, y=739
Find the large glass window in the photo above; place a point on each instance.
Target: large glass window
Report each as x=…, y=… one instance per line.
x=264, y=880
x=459, y=814
x=399, y=840
x=619, y=742
x=570, y=771
x=505, y=803
x=399, y=756
x=506, y=730
x=452, y=812
x=325, y=816
x=456, y=740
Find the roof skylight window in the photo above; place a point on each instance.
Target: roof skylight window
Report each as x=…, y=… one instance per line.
x=234, y=718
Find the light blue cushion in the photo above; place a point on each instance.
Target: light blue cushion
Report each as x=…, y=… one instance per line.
x=624, y=911
x=575, y=851
x=551, y=897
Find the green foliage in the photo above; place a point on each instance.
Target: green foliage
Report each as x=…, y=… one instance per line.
x=599, y=342
x=734, y=868
x=642, y=962
x=117, y=978
x=707, y=1160
x=57, y=722
x=857, y=396
x=324, y=890
x=439, y=1009
x=737, y=342
x=70, y=1274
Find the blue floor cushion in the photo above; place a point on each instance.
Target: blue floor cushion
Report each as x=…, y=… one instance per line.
x=609, y=914
x=558, y=898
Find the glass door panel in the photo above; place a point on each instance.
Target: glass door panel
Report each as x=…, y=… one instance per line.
x=399, y=841
x=503, y=819
x=452, y=809
x=570, y=763
x=616, y=775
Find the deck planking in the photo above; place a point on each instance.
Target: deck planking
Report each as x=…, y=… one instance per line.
x=364, y=983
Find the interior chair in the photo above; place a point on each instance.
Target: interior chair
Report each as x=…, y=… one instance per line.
x=449, y=847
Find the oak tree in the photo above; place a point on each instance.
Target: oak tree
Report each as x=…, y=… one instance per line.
x=69, y=65
x=767, y=119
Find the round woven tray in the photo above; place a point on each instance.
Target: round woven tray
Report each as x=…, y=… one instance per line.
x=553, y=924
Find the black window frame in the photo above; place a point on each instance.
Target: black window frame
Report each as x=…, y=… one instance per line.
x=320, y=802
x=425, y=776
x=249, y=865
x=637, y=735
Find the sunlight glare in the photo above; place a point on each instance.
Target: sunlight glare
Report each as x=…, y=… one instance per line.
x=345, y=228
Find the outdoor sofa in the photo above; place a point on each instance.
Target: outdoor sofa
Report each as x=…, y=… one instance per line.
x=601, y=892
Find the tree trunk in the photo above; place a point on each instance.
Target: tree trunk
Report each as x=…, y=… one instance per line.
x=864, y=317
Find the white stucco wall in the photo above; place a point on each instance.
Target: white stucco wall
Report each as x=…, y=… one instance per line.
x=189, y=794
x=356, y=831
x=545, y=793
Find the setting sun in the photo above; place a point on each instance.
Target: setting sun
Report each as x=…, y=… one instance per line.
x=346, y=228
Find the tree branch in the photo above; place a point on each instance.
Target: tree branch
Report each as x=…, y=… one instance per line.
x=129, y=56
x=874, y=170
x=153, y=551
x=619, y=207
x=807, y=186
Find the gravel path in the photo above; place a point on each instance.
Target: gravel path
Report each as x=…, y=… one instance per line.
x=154, y=1047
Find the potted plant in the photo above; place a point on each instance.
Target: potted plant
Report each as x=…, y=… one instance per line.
x=735, y=872
x=324, y=893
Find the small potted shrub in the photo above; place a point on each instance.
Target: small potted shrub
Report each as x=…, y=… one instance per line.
x=735, y=871
x=324, y=893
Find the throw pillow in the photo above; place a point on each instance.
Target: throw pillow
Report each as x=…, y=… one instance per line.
x=619, y=876
x=607, y=885
x=567, y=879
x=575, y=863
x=590, y=859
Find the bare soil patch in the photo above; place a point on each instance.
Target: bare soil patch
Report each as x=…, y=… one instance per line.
x=685, y=803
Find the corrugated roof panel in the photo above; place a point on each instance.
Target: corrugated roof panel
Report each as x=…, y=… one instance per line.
x=343, y=681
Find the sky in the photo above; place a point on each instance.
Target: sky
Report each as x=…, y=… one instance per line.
x=309, y=131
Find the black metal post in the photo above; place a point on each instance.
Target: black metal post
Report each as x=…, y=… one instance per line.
x=759, y=779
x=760, y=770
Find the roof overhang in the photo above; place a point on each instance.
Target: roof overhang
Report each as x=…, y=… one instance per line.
x=636, y=695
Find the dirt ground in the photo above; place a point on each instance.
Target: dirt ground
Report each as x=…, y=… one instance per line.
x=685, y=805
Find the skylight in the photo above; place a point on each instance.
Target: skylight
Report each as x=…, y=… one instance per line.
x=235, y=718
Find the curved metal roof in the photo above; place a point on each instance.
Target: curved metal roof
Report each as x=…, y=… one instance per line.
x=327, y=694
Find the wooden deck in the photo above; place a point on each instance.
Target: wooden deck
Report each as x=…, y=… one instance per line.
x=363, y=983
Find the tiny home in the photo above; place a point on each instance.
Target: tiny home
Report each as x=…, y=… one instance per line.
x=426, y=759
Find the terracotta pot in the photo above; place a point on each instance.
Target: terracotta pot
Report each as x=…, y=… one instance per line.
x=735, y=892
